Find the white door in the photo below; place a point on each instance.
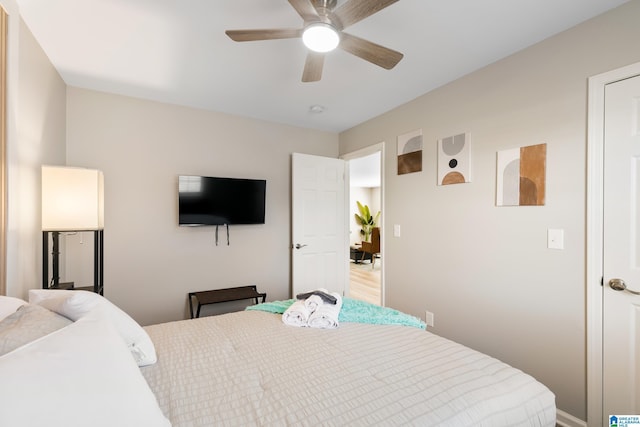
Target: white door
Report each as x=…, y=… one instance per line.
x=621, y=264
x=319, y=238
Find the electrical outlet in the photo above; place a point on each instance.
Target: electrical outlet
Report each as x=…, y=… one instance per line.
x=429, y=318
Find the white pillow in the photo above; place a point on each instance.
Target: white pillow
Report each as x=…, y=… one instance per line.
x=9, y=305
x=77, y=304
x=28, y=323
x=77, y=376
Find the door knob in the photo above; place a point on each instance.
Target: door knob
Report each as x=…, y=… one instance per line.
x=619, y=285
x=299, y=246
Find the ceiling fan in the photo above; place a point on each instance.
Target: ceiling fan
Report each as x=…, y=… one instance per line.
x=324, y=23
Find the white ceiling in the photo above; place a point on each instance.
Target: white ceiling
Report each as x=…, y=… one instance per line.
x=176, y=51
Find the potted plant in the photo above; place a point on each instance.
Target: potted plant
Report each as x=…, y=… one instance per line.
x=366, y=221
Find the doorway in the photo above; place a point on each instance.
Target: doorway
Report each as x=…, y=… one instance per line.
x=366, y=176
x=598, y=289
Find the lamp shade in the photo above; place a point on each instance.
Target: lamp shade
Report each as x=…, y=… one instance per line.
x=72, y=199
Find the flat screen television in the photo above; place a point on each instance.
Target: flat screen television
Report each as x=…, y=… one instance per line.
x=205, y=200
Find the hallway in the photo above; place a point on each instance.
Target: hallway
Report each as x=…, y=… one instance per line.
x=365, y=282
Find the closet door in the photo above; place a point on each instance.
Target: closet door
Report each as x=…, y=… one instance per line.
x=621, y=263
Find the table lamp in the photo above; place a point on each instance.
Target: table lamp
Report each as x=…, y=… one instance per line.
x=72, y=200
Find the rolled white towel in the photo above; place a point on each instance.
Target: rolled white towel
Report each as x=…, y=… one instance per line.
x=326, y=315
x=296, y=315
x=313, y=302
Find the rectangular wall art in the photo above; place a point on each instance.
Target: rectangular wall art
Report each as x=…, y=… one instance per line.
x=410, y=152
x=454, y=162
x=521, y=176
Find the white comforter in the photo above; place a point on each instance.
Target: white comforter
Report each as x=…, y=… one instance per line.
x=249, y=368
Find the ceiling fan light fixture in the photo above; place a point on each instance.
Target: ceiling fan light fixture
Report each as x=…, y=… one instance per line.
x=320, y=37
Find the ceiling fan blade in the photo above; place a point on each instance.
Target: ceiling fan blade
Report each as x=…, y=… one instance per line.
x=254, y=35
x=356, y=10
x=374, y=53
x=313, y=67
x=305, y=9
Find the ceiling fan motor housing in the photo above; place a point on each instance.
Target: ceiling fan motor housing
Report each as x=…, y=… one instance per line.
x=325, y=4
x=325, y=15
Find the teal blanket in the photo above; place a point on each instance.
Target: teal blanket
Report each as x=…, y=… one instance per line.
x=353, y=311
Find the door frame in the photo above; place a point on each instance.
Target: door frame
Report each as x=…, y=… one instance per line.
x=595, y=227
x=380, y=146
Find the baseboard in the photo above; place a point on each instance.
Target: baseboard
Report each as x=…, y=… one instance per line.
x=565, y=420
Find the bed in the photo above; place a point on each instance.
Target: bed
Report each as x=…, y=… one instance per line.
x=249, y=368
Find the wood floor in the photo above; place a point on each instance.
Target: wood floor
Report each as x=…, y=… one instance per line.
x=365, y=282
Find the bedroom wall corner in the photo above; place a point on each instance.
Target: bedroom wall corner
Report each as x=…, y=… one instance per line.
x=36, y=132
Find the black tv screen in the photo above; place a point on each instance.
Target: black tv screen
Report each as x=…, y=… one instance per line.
x=204, y=200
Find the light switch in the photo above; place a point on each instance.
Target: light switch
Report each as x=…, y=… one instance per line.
x=555, y=238
x=396, y=230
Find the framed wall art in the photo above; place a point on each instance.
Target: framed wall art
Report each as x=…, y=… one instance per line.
x=521, y=176
x=454, y=161
x=410, y=152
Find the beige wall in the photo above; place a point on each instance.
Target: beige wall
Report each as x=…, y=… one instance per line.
x=36, y=135
x=150, y=262
x=485, y=271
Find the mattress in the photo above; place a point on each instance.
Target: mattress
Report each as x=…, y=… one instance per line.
x=248, y=368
